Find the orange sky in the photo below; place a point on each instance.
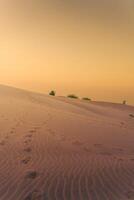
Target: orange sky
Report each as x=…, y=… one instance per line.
x=83, y=47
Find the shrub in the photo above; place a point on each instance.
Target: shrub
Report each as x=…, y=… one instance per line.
x=72, y=96
x=52, y=93
x=86, y=99
x=124, y=102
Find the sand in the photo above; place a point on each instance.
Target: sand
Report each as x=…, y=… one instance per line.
x=54, y=148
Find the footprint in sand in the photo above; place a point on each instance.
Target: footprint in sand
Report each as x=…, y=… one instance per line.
x=32, y=175
x=29, y=136
x=28, y=149
x=35, y=195
x=26, y=160
x=27, y=141
x=2, y=143
x=12, y=132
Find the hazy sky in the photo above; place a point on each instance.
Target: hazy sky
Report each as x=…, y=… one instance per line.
x=84, y=47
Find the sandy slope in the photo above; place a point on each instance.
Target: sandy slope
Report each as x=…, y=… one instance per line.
x=62, y=149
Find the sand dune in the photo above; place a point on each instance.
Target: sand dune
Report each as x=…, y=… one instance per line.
x=64, y=149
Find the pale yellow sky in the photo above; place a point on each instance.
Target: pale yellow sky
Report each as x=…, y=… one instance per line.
x=83, y=47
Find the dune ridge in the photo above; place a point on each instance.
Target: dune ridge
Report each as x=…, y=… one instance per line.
x=54, y=148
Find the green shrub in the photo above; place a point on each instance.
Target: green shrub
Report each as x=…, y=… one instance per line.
x=52, y=93
x=72, y=96
x=86, y=99
x=124, y=102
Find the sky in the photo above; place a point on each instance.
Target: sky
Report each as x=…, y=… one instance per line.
x=85, y=47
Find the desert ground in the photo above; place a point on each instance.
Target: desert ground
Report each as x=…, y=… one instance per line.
x=55, y=148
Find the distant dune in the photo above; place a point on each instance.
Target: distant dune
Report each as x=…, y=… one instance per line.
x=55, y=148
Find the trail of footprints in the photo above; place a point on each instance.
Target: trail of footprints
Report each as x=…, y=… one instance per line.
x=32, y=174
x=27, y=141
x=27, y=150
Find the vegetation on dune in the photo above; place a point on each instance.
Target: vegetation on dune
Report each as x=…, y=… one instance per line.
x=72, y=96
x=86, y=99
x=52, y=93
x=124, y=102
